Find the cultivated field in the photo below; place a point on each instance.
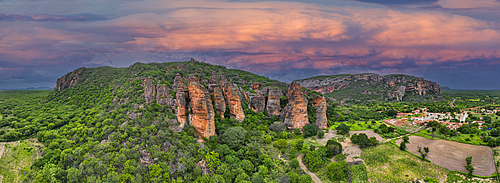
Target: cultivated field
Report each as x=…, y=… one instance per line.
x=452, y=155
x=368, y=133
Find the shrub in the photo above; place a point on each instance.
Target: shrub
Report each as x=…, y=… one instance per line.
x=338, y=171
x=321, y=134
x=340, y=157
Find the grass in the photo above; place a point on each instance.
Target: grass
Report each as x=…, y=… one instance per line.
x=473, y=139
x=358, y=174
x=386, y=163
x=358, y=125
x=17, y=159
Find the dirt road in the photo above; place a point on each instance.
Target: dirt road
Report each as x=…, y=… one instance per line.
x=314, y=177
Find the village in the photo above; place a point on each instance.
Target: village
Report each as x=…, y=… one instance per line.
x=452, y=121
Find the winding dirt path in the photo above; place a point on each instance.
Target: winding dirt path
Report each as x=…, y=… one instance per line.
x=314, y=177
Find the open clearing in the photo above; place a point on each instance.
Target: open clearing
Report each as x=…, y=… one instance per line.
x=386, y=163
x=17, y=158
x=452, y=155
x=368, y=133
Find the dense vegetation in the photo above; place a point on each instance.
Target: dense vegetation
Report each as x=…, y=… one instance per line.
x=101, y=130
x=90, y=135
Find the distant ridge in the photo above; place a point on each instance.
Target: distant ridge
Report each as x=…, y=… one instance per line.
x=370, y=87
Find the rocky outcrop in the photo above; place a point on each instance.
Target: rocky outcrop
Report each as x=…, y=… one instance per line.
x=257, y=103
x=220, y=103
x=163, y=96
x=397, y=82
x=233, y=100
x=273, y=106
x=181, y=93
x=320, y=104
x=203, y=115
x=69, y=80
x=399, y=93
x=149, y=90
x=296, y=110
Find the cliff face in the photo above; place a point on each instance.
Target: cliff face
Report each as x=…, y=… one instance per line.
x=181, y=102
x=203, y=115
x=320, y=104
x=233, y=97
x=273, y=106
x=397, y=84
x=69, y=80
x=296, y=110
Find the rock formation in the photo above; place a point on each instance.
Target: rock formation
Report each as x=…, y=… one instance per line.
x=233, y=100
x=69, y=80
x=273, y=106
x=203, y=115
x=163, y=96
x=296, y=110
x=257, y=103
x=320, y=104
x=149, y=90
x=181, y=94
x=410, y=83
x=220, y=103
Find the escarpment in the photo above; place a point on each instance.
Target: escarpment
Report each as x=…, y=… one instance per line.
x=187, y=94
x=393, y=86
x=69, y=80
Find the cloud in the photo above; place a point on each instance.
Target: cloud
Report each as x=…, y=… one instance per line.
x=52, y=18
x=262, y=37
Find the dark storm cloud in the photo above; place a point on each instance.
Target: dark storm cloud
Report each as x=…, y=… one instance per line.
x=52, y=18
x=398, y=2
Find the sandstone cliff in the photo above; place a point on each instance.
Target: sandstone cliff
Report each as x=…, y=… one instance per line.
x=232, y=97
x=69, y=79
x=320, y=104
x=295, y=112
x=203, y=115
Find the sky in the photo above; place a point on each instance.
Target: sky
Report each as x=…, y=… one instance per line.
x=453, y=42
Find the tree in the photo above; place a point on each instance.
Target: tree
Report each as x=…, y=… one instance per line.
x=212, y=159
x=406, y=139
x=426, y=149
x=281, y=143
x=332, y=148
x=310, y=130
x=234, y=137
x=321, y=134
x=338, y=171
x=277, y=127
x=469, y=166
x=294, y=163
x=402, y=146
x=74, y=175
x=343, y=129
x=313, y=160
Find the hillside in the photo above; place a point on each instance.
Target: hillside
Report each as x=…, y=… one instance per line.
x=162, y=122
x=374, y=88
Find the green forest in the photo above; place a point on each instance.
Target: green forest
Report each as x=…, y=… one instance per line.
x=102, y=130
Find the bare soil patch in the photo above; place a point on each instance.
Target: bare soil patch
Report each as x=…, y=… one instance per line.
x=2, y=145
x=452, y=155
x=368, y=133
